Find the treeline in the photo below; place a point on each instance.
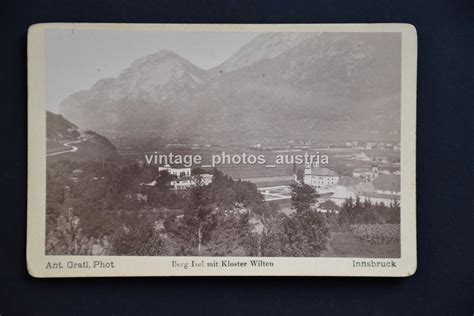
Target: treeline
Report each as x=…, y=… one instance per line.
x=116, y=202
x=355, y=211
x=102, y=194
x=109, y=210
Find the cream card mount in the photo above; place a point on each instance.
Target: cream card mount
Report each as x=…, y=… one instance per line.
x=221, y=150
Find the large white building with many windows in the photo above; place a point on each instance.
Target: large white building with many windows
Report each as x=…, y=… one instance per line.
x=318, y=177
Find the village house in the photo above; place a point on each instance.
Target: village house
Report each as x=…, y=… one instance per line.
x=150, y=184
x=361, y=156
x=138, y=196
x=362, y=173
x=75, y=175
x=366, y=173
x=371, y=145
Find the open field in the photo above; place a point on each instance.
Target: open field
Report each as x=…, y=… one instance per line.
x=340, y=160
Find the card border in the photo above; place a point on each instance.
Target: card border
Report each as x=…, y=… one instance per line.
x=160, y=266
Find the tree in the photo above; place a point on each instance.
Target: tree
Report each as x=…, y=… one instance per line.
x=197, y=212
x=229, y=236
x=139, y=240
x=300, y=174
x=209, y=224
x=66, y=237
x=357, y=212
x=302, y=197
x=304, y=234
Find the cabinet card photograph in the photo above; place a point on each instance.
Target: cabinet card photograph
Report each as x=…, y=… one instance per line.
x=224, y=149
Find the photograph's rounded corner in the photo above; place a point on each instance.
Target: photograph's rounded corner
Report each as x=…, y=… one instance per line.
x=410, y=29
x=412, y=268
x=36, y=28
x=32, y=269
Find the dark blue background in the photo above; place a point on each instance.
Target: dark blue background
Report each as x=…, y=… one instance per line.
x=443, y=283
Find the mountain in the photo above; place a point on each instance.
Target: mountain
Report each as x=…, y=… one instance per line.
x=278, y=86
x=147, y=93
x=65, y=139
x=330, y=86
x=265, y=46
x=58, y=128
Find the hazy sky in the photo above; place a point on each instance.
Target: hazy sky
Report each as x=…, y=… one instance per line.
x=76, y=59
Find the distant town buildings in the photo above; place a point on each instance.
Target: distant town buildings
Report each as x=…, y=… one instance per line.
x=366, y=173
x=385, y=189
x=361, y=156
x=177, y=145
x=362, y=173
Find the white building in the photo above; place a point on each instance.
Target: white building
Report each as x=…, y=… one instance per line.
x=149, y=184
x=187, y=182
x=318, y=177
x=384, y=189
x=341, y=194
x=376, y=198
x=177, y=171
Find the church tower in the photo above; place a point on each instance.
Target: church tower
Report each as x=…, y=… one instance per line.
x=308, y=167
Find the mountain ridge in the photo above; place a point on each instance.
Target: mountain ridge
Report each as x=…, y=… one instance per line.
x=309, y=85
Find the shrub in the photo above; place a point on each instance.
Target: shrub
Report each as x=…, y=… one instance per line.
x=376, y=233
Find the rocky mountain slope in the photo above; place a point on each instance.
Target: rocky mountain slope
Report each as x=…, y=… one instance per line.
x=58, y=128
x=279, y=85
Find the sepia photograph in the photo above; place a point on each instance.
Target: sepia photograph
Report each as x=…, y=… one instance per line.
x=230, y=143
x=253, y=158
